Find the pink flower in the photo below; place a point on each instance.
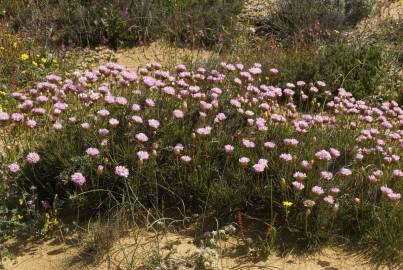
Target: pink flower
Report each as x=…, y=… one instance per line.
x=143, y=155
x=394, y=196
x=204, y=131
x=150, y=102
x=141, y=137
x=309, y=203
x=317, y=190
x=153, y=123
x=345, y=172
x=329, y=199
x=228, y=149
x=103, y=113
x=326, y=175
x=4, y=116
x=286, y=157
x=244, y=161
x=248, y=143
x=85, y=125
x=137, y=119
x=33, y=158
x=113, y=122
x=93, y=152
x=298, y=185
x=31, y=123
x=103, y=132
x=323, y=155
x=122, y=171
x=57, y=126
x=335, y=153
x=136, y=107
x=78, y=179
x=14, y=167
x=270, y=145
x=398, y=173
x=178, y=148
x=259, y=167
x=386, y=190
x=186, y=159
x=290, y=142
x=299, y=176
x=178, y=114
x=334, y=190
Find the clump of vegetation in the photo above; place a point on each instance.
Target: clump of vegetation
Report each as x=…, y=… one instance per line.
x=126, y=23
x=324, y=165
x=312, y=19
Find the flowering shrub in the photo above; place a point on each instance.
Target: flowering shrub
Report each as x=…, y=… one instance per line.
x=223, y=139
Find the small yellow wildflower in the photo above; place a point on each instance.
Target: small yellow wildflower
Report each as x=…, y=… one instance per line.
x=35, y=64
x=287, y=204
x=2, y=93
x=15, y=45
x=54, y=61
x=21, y=201
x=16, y=217
x=44, y=60
x=24, y=56
x=336, y=31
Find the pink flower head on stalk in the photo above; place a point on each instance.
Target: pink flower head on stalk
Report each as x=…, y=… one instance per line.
x=4, y=116
x=153, y=123
x=122, y=171
x=136, y=107
x=334, y=190
x=204, y=131
x=323, y=155
x=85, y=125
x=307, y=165
x=178, y=114
x=137, y=119
x=326, y=175
x=93, y=152
x=386, y=190
x=299, y=176
x=178, y=148
x=31, y=123
x=290, y=142
x=298, y=185
x=248, y=143
x=113, y=122
x=244, y=161
x=317, y=190
x=33, y=158
x=186, y=159
x=103, y=113
x=394, y=196
x=345, y=172
x=397, y=173
x=334, y=152
x=14, y=167
x=286, y=157
x=228, y=149
x=270, y=145
x=78, y=178
x=143, y=155
x=260, y=166
x=17, y=117
x=141, y=137
x=57, y=126
x=329, y=199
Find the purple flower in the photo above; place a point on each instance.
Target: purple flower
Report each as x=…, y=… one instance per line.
x=317, y=190
x=329, y=199
x=323, y=155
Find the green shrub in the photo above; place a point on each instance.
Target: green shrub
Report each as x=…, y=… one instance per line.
x=126, y=22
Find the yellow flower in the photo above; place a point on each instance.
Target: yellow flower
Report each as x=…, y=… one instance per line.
x=287, y=204
x=35, y=64
x=54, y=61
x=43, y=60
x=21, y=201
x=336, y=31
x=15, y=45
x=24, y=56
x=16, y=217
x=2, y=93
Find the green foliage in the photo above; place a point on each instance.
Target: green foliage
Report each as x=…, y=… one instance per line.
x=125, y=22
x=312, y=19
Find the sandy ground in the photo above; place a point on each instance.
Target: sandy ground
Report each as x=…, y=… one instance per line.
x=143, y=250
